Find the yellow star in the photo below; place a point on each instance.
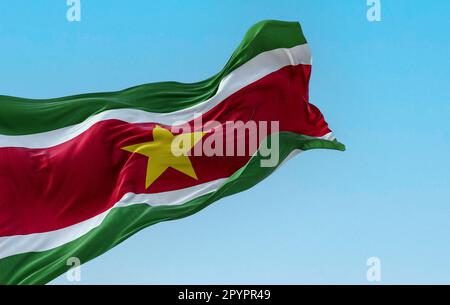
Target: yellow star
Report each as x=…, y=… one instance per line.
x=167, y=150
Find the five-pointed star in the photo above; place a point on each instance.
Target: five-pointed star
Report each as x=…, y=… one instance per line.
x=167, y=150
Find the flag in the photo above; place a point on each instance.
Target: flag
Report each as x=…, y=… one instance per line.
x=80, y=174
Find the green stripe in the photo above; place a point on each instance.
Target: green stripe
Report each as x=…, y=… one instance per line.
x=19, y=116
x=121, y=223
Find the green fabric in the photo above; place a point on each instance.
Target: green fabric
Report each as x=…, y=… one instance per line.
x=19, y=116
x=121, y=223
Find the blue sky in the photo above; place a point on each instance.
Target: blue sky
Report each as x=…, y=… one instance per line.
x=384, y=88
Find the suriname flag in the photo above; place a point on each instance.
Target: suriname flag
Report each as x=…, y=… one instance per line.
x=80, y=174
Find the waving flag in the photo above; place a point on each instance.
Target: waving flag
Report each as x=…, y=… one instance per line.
x=80, y=174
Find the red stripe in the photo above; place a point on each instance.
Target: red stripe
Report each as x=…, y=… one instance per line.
x=48, y=189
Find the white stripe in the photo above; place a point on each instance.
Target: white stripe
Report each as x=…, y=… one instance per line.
x=37, y=242
x=329, y=137
x=255, y=69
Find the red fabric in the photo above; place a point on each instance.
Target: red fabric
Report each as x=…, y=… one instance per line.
x=47, y=189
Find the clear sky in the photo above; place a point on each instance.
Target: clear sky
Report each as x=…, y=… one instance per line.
x=384, y=88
